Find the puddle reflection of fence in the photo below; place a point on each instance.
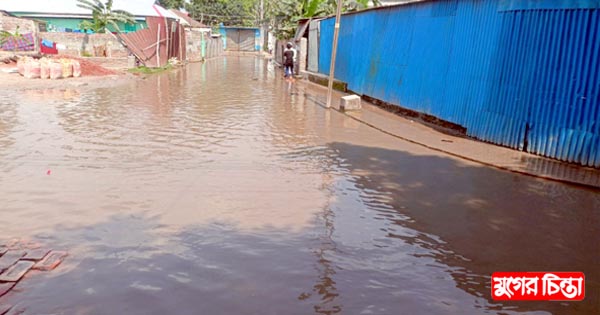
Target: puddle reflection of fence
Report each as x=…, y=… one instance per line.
x=18, y=258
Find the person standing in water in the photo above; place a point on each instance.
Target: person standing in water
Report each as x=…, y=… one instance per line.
x=288, y=61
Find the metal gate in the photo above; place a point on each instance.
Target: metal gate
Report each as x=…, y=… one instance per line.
x=313, y=46
x=241, y=40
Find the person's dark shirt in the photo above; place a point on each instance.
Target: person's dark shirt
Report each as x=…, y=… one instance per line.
x=288, y=57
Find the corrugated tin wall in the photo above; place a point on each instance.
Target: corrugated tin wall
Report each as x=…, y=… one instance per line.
x=154, y=46
x=240, y=39
x=522, y=74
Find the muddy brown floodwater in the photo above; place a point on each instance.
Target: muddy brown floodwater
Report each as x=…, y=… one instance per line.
x=221, y=189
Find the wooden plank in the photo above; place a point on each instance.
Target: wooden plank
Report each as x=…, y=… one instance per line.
x=51, y=261
x=17, y=271
x=36, y=255
x=5, y=288
x=10, y=258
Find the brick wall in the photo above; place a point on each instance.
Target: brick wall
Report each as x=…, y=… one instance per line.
x=75, y=43
x=10, y=24
x=214, y=46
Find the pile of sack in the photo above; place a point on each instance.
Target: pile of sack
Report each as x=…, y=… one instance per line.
x=46, y=68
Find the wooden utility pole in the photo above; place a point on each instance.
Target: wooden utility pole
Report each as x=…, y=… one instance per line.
x=336, y=32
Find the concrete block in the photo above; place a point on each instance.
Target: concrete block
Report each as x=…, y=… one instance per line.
x=350, y=102
x=17, y=271
x=10, y=258
x=36, y=254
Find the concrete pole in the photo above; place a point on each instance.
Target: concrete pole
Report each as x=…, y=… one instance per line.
x=262, y=26
x=336, y=31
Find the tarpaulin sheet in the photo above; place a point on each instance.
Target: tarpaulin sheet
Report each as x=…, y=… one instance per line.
x=26, y=43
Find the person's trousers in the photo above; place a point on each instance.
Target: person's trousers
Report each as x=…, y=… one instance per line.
x=289, y=71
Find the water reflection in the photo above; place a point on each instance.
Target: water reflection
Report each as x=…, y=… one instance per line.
x=222, y=188
x=471, y=221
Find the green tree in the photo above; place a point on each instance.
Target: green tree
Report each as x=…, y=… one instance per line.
x=171, y=4
x=228, y=12
x=284, y=14
x=103, y=16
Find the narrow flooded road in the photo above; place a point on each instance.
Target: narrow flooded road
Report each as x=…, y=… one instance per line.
x=222, y=189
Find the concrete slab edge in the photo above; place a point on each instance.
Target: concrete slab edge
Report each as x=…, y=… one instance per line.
x=469, y=158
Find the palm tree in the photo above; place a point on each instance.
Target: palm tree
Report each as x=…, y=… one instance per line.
x=104, y=16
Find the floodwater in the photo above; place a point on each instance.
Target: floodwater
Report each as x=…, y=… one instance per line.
x=222, y=189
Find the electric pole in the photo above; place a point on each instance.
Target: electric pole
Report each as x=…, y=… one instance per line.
x=262, y=26
x=336, y=31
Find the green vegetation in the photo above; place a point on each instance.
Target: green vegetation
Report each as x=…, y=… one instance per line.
x=284, y=14
x=171, y=4
x=146, y=70
x=228, y=12
x=281, y=15
x=103, y=16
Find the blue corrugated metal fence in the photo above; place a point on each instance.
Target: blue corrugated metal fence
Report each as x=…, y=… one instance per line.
x=523, y=74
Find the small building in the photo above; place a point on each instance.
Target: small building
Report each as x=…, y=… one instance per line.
x=200, y=44
x=66, y=15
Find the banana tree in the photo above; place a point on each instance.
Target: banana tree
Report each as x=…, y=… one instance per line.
x=104, y=16
x=312, y=8
x=6, y=36
x=352, y=5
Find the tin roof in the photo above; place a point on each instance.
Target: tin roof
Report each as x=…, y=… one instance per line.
x=40, y=8
x=185, y=17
